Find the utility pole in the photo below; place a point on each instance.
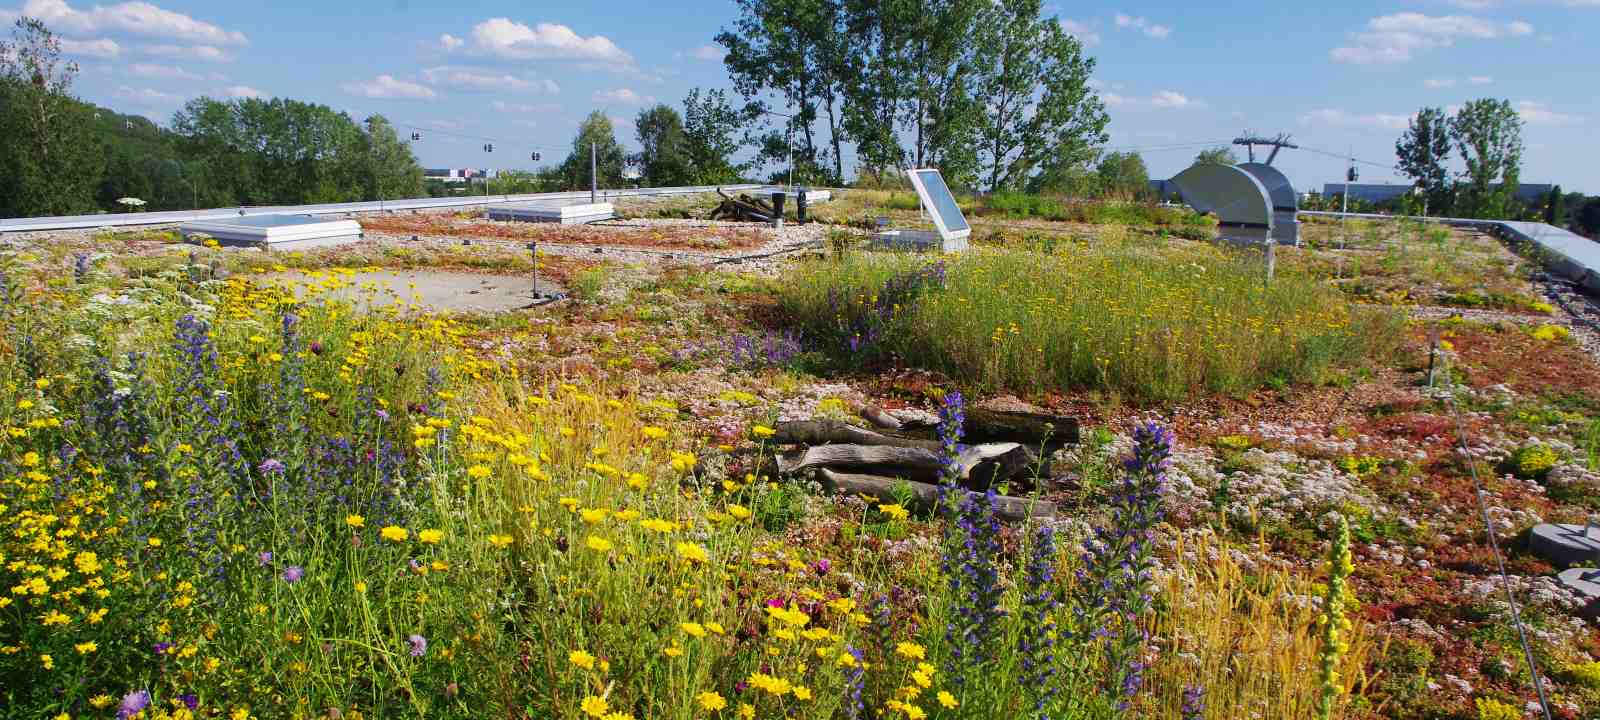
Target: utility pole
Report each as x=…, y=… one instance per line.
x=1344, y=217
x=594, y=182
x=1250, y=140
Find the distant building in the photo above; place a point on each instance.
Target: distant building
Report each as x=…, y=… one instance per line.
x=1384, y=192
x=456, y=175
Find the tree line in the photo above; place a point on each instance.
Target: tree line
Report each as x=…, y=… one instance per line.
x=59, y=155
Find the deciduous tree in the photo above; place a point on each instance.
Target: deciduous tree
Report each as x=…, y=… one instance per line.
x=50, y=160
x=1488, y=133
x=595, y=130
x=1424, y=151
x=664, y=147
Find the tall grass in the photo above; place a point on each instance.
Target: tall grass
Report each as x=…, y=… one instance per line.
x=1099, y=212
x=1143, y=319
x=1255, y=630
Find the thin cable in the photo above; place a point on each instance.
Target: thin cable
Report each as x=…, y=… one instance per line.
x=1500, y=561
x=470, y=136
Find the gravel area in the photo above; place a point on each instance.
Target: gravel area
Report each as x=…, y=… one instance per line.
x=777, y=243
x=1585, y=337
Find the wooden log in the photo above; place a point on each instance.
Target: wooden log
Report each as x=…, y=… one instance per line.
x=822, y=432
x=1031, y=428
x=924, y=495
x=979, y=466
x=917, y=463
x=878, y=417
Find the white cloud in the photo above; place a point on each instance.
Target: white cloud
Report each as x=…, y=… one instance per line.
x=202, y=53
x=387, y=86
x=1150, y=29
x=505, y=38
x=1538, y=113
x=146, y=96
x=623, y=96
x=1081, y=31
x=1170, y=99
x=101, y=48
x=709, y=53
x=1162, y=99
x=1474, y=4
x=243, y=91
x=1437, y=83
x=160, y=72
x=524, y=108
x=1393, y=38
x=466, y=78
x=1480, y=80
x=138, y=18
x=450, y=43
x=1329, y=117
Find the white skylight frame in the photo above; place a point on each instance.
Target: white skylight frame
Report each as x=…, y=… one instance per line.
x=918, y=180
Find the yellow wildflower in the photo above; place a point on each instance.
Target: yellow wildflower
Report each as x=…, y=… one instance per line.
x=430, y=536
x=395, y=533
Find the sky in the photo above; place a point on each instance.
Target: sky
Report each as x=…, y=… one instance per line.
x=1339, y=78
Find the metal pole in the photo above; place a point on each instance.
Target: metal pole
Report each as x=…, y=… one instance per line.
x=1272, y=258
x=1344, y=220
x=594, y=182
x=789, y=142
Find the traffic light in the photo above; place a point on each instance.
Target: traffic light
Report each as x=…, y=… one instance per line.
x=416, y=136
x=535, y=156
x=1353, y=175
x=488, y=147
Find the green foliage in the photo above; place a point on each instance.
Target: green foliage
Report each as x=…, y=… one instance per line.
x=1492, y=709
x=1233, y=443
x=1533, y=461
x=1361, y=466
x=1488, y=134
x=1150, y=321
x=1555, y=207
x=50, y=161
x=1585, y=674
x=1424, y=154
x=664, y=148
x=1406, y=665
x=595, y=131
x=710, y=127
x=1587, y=218
x=1335, y=626
x=1122, y=175
x=1220, y=155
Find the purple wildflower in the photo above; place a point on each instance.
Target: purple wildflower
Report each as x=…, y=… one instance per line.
x=1038, y=609
x=133, y=703
x=1194, y=703
x=419, y=645
x=271, y=466
x=161, y=648
x=1114, y=584
x=293, y=573
x=190, y=700
x=854, y=683
x=264, y=558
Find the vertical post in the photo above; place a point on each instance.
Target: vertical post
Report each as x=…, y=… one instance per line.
x=594, y=181
x=533, y=251
x=1272, y=258
x=789, y=143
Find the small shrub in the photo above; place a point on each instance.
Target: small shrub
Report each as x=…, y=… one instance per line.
x=1586, y=675
x=1550, y=333
x=1362, y=466
x=1533, y=461
x=1492, y=709
x=1233, y=443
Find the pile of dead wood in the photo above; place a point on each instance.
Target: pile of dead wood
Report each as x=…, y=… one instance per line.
x=744, y=208
x=1005, y=448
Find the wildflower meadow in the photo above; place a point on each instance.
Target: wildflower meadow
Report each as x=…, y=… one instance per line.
x=236, y=498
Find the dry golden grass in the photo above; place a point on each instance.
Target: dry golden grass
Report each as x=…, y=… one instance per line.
x=1252, y=635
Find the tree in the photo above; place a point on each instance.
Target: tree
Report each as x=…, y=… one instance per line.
x=1123, y=175
x=1588, y=218
x=664, y=147
x=1424, y=150
x=1219, y=155
x=50, y=160
x=1555, y=209
x=595, y=130
x=1039, y=112
x=793, y=48
x=393, y=169
x=1488, y=133
x=711, y=127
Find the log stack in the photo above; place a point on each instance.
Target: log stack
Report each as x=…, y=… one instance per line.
x=903, y=451
x=744, y=208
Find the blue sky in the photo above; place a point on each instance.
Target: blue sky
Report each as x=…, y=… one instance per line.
x=1338, y=77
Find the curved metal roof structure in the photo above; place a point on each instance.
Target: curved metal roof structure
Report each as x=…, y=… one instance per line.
x=1235, y=196
x=1278, y=188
